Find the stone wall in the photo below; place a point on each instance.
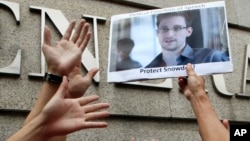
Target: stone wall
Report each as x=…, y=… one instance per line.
x=136, y=111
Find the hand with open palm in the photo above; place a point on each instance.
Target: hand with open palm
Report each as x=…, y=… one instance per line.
x=62, y=115
x=66, y=54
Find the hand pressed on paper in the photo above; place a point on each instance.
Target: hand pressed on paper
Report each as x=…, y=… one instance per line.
x=192, y=85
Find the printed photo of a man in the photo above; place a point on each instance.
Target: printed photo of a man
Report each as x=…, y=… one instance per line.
x=160, y=43
x=172, y=31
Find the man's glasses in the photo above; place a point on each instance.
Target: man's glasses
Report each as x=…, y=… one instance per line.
x=175, y=29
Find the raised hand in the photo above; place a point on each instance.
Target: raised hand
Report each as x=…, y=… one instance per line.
x=64, y=115
x=78, y=84
x=66, y=54
x=192, y=85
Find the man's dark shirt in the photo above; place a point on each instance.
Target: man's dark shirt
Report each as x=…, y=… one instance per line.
x=193, y=56
x=127, y=64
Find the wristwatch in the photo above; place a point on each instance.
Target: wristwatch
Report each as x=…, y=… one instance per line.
x=52, y=78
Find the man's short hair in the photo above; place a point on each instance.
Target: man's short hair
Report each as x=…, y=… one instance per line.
x=125, y=42
x=186, y=14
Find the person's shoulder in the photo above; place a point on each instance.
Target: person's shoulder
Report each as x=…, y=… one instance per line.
x=203, y=50
x=213, y=54
x=135, y=64
x=216, y=55
x=210, y=51
x=155, y=62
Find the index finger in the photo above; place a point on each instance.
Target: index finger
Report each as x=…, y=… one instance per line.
x=69, y=30
x=92, y=73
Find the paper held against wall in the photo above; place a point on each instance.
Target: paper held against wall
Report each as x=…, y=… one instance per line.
x=159, y=43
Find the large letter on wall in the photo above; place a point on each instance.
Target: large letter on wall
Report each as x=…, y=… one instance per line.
x=246, y=78
x=15, y=66
x=86, y=56
x=61, y=24
x=220, y=85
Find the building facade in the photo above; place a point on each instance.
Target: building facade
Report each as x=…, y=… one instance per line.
x=153, y=109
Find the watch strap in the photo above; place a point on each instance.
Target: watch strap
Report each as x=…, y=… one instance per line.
x=53, y=78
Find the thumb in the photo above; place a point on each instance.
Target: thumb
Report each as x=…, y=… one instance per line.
x=92, y=73
x=189, y=69
x=63, y=88
x=225, y=123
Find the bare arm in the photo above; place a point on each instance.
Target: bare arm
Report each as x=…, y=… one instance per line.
x=75, y=115
x=61, y=60
x=64, y=59
x=210, y=127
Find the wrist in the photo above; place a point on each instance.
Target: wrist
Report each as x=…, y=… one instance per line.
x=56, y=71
x=41, y=126
x=35, y=129
x=199, y=98
x=201, y=102
x=53, y=78
x=200, y=95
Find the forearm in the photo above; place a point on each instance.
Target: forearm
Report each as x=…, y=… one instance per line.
x=210, y=126
x=58, y=138
x=47, y=91
x=34, y=130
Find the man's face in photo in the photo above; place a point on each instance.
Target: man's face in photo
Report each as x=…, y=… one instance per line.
x=172, y=33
